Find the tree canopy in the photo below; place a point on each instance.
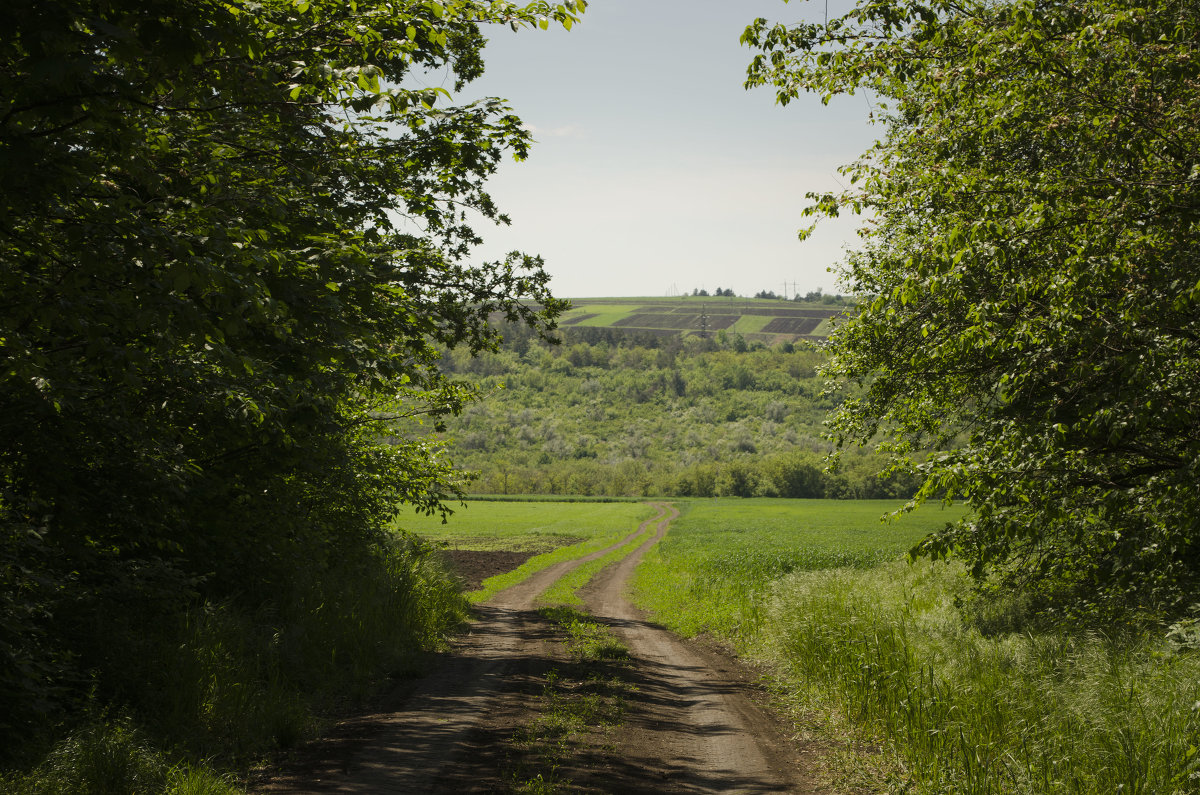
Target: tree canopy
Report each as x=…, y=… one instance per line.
x=234, y=237
x=1031, y=279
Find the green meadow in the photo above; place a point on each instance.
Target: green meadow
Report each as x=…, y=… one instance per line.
x=557, y=531
x=534, y=526
x=712, y=571
x=910, y=681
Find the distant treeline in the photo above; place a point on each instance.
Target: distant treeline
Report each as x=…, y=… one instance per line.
x=800, y=475
x=816, y=296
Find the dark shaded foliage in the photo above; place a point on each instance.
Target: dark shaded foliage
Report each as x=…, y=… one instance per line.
x=230, y=246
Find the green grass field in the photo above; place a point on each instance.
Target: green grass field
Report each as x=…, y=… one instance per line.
x=533, y=526
x=609, y=316
x=867, y=651
x=750, y=324
x=558, y=531
x=871, y=652
x=711, y=571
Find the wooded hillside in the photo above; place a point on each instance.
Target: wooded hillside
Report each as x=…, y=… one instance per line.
x=613, y=413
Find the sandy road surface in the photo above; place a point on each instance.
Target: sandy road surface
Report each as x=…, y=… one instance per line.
x=695, y=725
x=691, y=726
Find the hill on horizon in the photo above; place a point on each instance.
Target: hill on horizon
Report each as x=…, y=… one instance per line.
x=770, y=321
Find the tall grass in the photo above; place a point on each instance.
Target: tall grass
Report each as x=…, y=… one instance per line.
x=241, y=682
x=226, y=683
x=861, y=641
x=974, y=714
x=113, y=758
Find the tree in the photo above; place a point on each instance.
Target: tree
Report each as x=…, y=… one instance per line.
x=1030, y=279
x=233, y=238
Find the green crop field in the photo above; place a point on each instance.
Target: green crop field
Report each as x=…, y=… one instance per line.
x=557, y=531
x=802, y=533
x=876, y=652
x=765, y=537
x=769, y=321
x=751, y=324
x=535, y=526
x=727, y=546
x=721, y=554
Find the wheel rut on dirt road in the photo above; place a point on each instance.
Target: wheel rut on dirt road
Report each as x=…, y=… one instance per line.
x=689, y=727
x=693, y=726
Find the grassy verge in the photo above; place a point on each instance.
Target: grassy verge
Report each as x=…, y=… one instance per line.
x=873, y=653
x=563, y=591
x=209, y=694
x=580, y=706
x=114, y=757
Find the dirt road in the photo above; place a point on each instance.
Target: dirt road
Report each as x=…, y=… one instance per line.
x=690, y=726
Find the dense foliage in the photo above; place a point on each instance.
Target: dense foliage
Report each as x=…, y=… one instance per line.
x=1033, y=276
x=233, y=238
x=609, y=413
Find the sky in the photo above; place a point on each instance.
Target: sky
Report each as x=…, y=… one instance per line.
x=655, y=173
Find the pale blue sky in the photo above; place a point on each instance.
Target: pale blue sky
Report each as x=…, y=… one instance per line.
x=654, y=169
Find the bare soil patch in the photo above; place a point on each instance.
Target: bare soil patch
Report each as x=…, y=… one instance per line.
x=792, y=325
x=473, y=567
x=675, y=321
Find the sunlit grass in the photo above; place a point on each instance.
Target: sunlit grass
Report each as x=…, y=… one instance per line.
x=873, y=652
x=533, y=526
x=712, y=570
x=964, y=713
